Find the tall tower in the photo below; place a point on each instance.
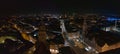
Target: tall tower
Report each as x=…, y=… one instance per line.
x=84, y=27
x=42, y=32
x=42, y=46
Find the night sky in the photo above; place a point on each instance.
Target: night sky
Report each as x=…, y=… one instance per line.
x=17, y=6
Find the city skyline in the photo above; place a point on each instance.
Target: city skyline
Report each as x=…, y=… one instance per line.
x=18, y=6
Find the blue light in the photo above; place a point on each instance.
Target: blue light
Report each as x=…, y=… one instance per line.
x=112, y=18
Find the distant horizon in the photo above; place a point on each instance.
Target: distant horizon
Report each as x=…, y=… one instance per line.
x=61, y=6
x=31, y=11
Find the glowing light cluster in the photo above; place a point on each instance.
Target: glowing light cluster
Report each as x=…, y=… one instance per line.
x=54, y=51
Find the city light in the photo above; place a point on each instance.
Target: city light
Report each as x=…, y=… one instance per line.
x=59, y=36
x=112, y=18
x=54, y=51
x=35, y=35
x=88, y=48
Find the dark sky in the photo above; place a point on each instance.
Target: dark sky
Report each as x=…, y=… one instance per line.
x=16, y=6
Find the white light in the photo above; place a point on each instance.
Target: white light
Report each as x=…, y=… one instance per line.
x=88, y=48
x=77, y=40
x=34, y=35
x=54, y=51
x=51, y=50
